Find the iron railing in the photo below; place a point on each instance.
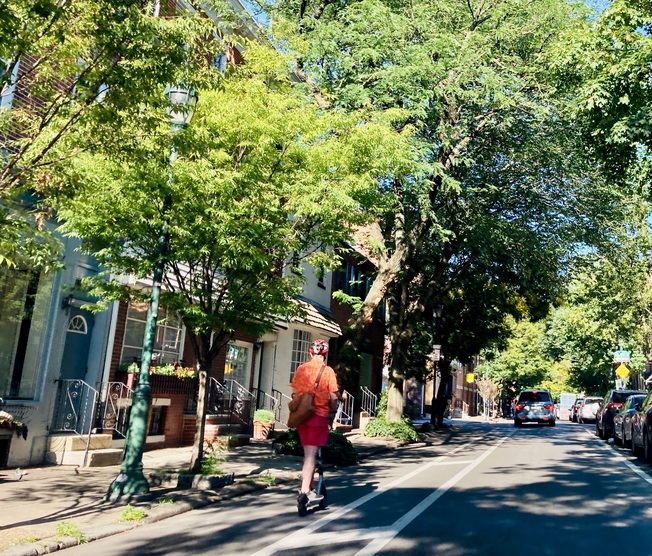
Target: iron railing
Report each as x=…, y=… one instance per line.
x=281, y=411
x=75, y=407
x=264, y=400
x=344, y=414
x=232, y=400
x=114, y=407
x=368, y=401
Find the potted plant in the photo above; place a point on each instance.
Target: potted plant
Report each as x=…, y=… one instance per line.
x=263, y=423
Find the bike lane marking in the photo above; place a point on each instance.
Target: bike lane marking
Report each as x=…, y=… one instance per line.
x=612, y=448
x=308, y=536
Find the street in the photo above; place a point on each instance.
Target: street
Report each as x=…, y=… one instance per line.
x=489, y=489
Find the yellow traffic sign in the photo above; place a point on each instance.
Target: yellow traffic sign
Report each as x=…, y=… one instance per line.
x=622, y=371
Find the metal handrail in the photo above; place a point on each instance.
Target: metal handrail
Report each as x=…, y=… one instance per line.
x=113, y=411
x=264, y=400
x=231, y=398
x=75, y=406
x=75, y=410
x=344, y=414
x=281, y=412
x=368, y=401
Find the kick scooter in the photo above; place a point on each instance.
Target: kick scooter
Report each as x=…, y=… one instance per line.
x=303, y=503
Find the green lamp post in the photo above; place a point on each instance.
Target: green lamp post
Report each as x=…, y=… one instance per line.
x=131, y=480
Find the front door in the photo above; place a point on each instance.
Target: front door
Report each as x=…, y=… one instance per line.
x=74, y=363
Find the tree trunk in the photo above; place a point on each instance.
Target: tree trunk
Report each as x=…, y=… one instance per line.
x=440, y=395
x=200, y=425
x=395, y=401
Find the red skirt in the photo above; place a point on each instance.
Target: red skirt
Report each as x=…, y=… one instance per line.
x=314, y=432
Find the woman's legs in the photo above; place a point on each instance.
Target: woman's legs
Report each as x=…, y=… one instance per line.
x=308, y=471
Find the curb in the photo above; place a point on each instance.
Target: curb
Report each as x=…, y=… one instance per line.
x=192, y=501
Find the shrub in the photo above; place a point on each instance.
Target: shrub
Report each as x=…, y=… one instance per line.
x=212, y=458
x=338, y=449
x=402, y=430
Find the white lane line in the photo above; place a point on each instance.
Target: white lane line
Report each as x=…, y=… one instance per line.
x=642, y=474
x=306, y=536
x=381, y=540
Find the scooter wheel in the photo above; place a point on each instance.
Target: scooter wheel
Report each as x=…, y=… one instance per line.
x=322, y=502
x=302, y=505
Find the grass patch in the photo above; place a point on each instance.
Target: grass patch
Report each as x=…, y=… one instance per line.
x=69, y=529
x=129, y=513
x=162, y=501
x=268, y=479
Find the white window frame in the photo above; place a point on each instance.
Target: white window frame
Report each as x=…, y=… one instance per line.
x=160, y=356
x=245, y=379
x=301, y=340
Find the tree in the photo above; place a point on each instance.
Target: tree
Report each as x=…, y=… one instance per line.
x=492, y=131
x=262, y=180
x=75, y=67
x=523, y=362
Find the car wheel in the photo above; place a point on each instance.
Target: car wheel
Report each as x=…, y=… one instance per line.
x=626, y=443
x=647, y=455
x=553, y=423
x=633, y=446
x=517, y=423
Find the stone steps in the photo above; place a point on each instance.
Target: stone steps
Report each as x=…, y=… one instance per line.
x=70, y=449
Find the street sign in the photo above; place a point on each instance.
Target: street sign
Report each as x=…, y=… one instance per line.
x=621, y=356
x=622, y=371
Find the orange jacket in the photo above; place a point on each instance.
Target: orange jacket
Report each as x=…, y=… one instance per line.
x=304, y=381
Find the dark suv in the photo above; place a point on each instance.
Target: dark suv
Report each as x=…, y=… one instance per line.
x=604, y=418
x=534, y=406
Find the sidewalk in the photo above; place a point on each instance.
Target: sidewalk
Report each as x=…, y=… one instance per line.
x=34, y=504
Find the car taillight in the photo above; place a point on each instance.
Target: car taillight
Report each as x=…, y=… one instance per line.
x=519, y=406
x=550, y=407
x=614, y=405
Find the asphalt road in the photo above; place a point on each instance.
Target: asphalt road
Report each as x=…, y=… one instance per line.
x=490, y=489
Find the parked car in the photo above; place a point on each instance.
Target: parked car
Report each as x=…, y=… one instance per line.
x=641, y=425
x=623, y=419
x=534, y=406
x=574, y=410
x=604, y=418
x=588, y=408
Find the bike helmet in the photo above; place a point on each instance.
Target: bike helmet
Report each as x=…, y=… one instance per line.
x=319, y=347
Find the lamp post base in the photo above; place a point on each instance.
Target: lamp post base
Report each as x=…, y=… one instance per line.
x=127, y=484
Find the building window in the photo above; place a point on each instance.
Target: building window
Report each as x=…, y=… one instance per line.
x=300, y=353
x=24, y=300
x=8, y=83
x=237, y=366
x=351, y=280
x=157, y=420
x=168, y=343
x=220, y=62
x=78, y=325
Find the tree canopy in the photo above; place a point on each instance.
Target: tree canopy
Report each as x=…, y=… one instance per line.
x=76, y=67
x=504, y=189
